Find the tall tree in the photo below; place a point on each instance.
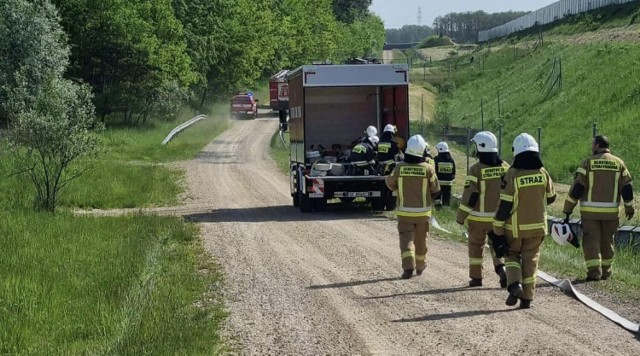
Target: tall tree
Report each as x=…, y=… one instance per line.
x=52, y=118
x=131, y=52
x=348, y=11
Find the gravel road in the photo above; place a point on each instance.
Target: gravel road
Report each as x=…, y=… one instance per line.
x=310, y=284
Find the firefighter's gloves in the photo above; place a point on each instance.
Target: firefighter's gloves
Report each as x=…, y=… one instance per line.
x=499, y=243
x=629, y=211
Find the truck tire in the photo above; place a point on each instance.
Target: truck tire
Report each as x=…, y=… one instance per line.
x=305, y=203
x=296, y=200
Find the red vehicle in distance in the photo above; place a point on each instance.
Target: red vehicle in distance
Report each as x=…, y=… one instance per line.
x=244, y=105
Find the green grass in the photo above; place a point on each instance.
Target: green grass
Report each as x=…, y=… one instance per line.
x=143, y=144
x=279, y=152
x=127, y=285
x=110, y=285
x=127, y=175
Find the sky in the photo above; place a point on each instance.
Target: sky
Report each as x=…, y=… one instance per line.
x=397, y=13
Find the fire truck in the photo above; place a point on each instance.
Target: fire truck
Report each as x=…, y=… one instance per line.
x=279, y=96
x=329, y=107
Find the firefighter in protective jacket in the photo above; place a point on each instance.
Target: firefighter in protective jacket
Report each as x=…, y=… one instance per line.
x=480, y=200
x=600, y=181
x=387, y=149
x=417, y=185
x=446, y=171
x=362, y=157
x=520, y=223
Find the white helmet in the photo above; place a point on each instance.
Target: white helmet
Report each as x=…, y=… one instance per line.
x=562, y=233
x=374, y=140
x=389, y=128
x=524, y=142
x=485, y=141
x=371, y=131
x=416, y=146
x=442, y=147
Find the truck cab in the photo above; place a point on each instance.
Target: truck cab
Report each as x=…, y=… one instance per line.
x=330, y=107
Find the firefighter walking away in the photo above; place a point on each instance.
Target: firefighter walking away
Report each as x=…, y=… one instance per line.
x=446, y=171
x=417, y=184
x=600, y=181
x=520, y=223
x=480, y=200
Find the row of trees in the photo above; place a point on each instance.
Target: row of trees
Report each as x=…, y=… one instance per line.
x=145, y=57
x=408, y=34
x=65, y=60
x=463, y=27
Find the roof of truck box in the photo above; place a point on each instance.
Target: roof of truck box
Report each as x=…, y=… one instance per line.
x=352, y=75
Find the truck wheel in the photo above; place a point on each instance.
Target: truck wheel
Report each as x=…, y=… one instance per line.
x=296, y=200
x=306, y=203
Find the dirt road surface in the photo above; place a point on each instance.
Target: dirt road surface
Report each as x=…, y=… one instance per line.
x=311, y=284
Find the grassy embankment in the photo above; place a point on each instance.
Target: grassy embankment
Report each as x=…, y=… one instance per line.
x=599, y=84
x=110, y=285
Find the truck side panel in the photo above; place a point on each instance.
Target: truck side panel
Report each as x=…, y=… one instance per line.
x=296, y=120
x=395, y=108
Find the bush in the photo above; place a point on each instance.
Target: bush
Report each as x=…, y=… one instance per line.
x=436, y=41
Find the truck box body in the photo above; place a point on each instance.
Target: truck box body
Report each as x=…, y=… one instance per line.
x=331, y=106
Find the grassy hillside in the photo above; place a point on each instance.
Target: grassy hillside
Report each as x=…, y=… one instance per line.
x=600, y=80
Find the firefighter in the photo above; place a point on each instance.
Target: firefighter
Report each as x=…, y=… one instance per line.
x=417, y=184
x=370, y=131
x=600, y=181
x=446, y=171
x=479, y=202
x=362, y=157
x=387, y=150
x=520, y=223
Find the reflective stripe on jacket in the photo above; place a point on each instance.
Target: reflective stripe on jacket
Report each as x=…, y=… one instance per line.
x=483, y=181
x=528, y=191
x=602, y=175
x=416, y=184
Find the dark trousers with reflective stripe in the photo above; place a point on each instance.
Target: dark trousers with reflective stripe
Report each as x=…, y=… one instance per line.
x=522, y=263
x=597, y=244
x=477, y=239
x=413, y=241
x=445, y=194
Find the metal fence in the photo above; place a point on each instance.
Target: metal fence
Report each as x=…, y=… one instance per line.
x=462, y=136
x=546, y=15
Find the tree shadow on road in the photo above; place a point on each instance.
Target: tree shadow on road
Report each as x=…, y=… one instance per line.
x=279, y=213
x=454, y=315
x=353, y=283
